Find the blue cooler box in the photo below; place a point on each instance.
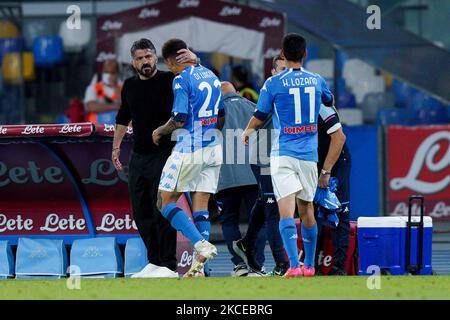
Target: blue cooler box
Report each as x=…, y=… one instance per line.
x=382, y=241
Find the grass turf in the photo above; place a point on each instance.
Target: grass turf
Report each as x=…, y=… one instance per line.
x=404, y=287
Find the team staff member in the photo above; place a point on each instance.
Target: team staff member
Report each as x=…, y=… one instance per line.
x=102, y=98
x=335, y=161
x=147, y=100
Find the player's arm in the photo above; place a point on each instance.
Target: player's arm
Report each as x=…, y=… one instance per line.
x=327, y=96
x=166, y=129
x=253, y=125
x=221, y=114
x=337, y=141
x=123, y=119
x=263, y=111
x=179, y=111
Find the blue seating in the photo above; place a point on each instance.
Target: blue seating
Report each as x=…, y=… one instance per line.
x=6, y=261
x=403, y=93
x=135, y=256
x=48, y=51
x=9, y=45
x=393, y=116
x=96, y=258
x=313, y=52
x=341, y=58
x=431, y=115
x=40, y=258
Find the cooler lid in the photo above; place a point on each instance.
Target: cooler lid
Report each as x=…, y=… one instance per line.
x=391, y=222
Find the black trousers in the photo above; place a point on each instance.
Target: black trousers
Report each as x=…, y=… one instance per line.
x=158, y=235
x=341, y=236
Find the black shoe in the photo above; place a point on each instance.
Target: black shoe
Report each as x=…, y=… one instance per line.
x=335, y=271
x=279, y=270
x=247, y=255
x=240, y=270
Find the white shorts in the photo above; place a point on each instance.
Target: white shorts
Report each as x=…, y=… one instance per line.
x=190, y=172
x=291, y=175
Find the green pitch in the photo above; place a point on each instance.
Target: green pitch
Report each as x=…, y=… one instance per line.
x=406, y=287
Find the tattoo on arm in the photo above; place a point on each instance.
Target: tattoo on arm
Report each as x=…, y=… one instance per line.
x=170, y=127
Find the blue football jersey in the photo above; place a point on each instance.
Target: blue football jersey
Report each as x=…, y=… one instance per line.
x=294, y=98
x=198, y=103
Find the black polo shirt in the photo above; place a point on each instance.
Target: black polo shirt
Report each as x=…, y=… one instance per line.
x=148, y=103
x=328, y=124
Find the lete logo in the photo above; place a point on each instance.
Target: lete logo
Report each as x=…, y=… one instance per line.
x=268, y=22
x=67, y=128
x=33, y=130
x=111, y=25
x=230, y=11
x=3, y=130
x=425, y=155
x=188, y=4
x=186, y=259
x=148, y=13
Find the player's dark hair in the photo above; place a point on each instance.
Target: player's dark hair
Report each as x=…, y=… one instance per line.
x=294, y=47
x=278, y=57
x=171, y=47
x=142, y=44
x=240, y=73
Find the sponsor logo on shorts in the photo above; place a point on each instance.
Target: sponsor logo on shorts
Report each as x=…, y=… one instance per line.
x=148, y=13
x=270, y=200
x=267, y=22
x=188, y=4
x=230, y=11
x=111, y=25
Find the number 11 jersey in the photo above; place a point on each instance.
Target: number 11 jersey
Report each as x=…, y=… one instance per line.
x=294, y=98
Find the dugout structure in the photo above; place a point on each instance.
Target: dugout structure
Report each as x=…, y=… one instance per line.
x=205, y=25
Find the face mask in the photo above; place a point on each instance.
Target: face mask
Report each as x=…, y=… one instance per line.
x=107, y=78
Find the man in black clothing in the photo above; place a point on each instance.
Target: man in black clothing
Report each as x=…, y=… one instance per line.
x=335, y=161
x=147, y=100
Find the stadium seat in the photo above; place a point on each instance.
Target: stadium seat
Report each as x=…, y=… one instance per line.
x=366, y=86
x=375, y=101
x=6, y=261
x=431, y=115
x=341, y=59
x=8, y=29
x=324, y=67
x=10, y=45
x=351, y=117
x=393, y=116
x=345, y=99
x=11, y=67
x=354, y=70
x=40, y=258
x=96, y=258
x=403, y=93
x=75, y=39
x=32, y=29
x=48, y=50
x=135, y=256
x=313, y=53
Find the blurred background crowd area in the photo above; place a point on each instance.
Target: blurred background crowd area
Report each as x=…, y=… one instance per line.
x=46, y=68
